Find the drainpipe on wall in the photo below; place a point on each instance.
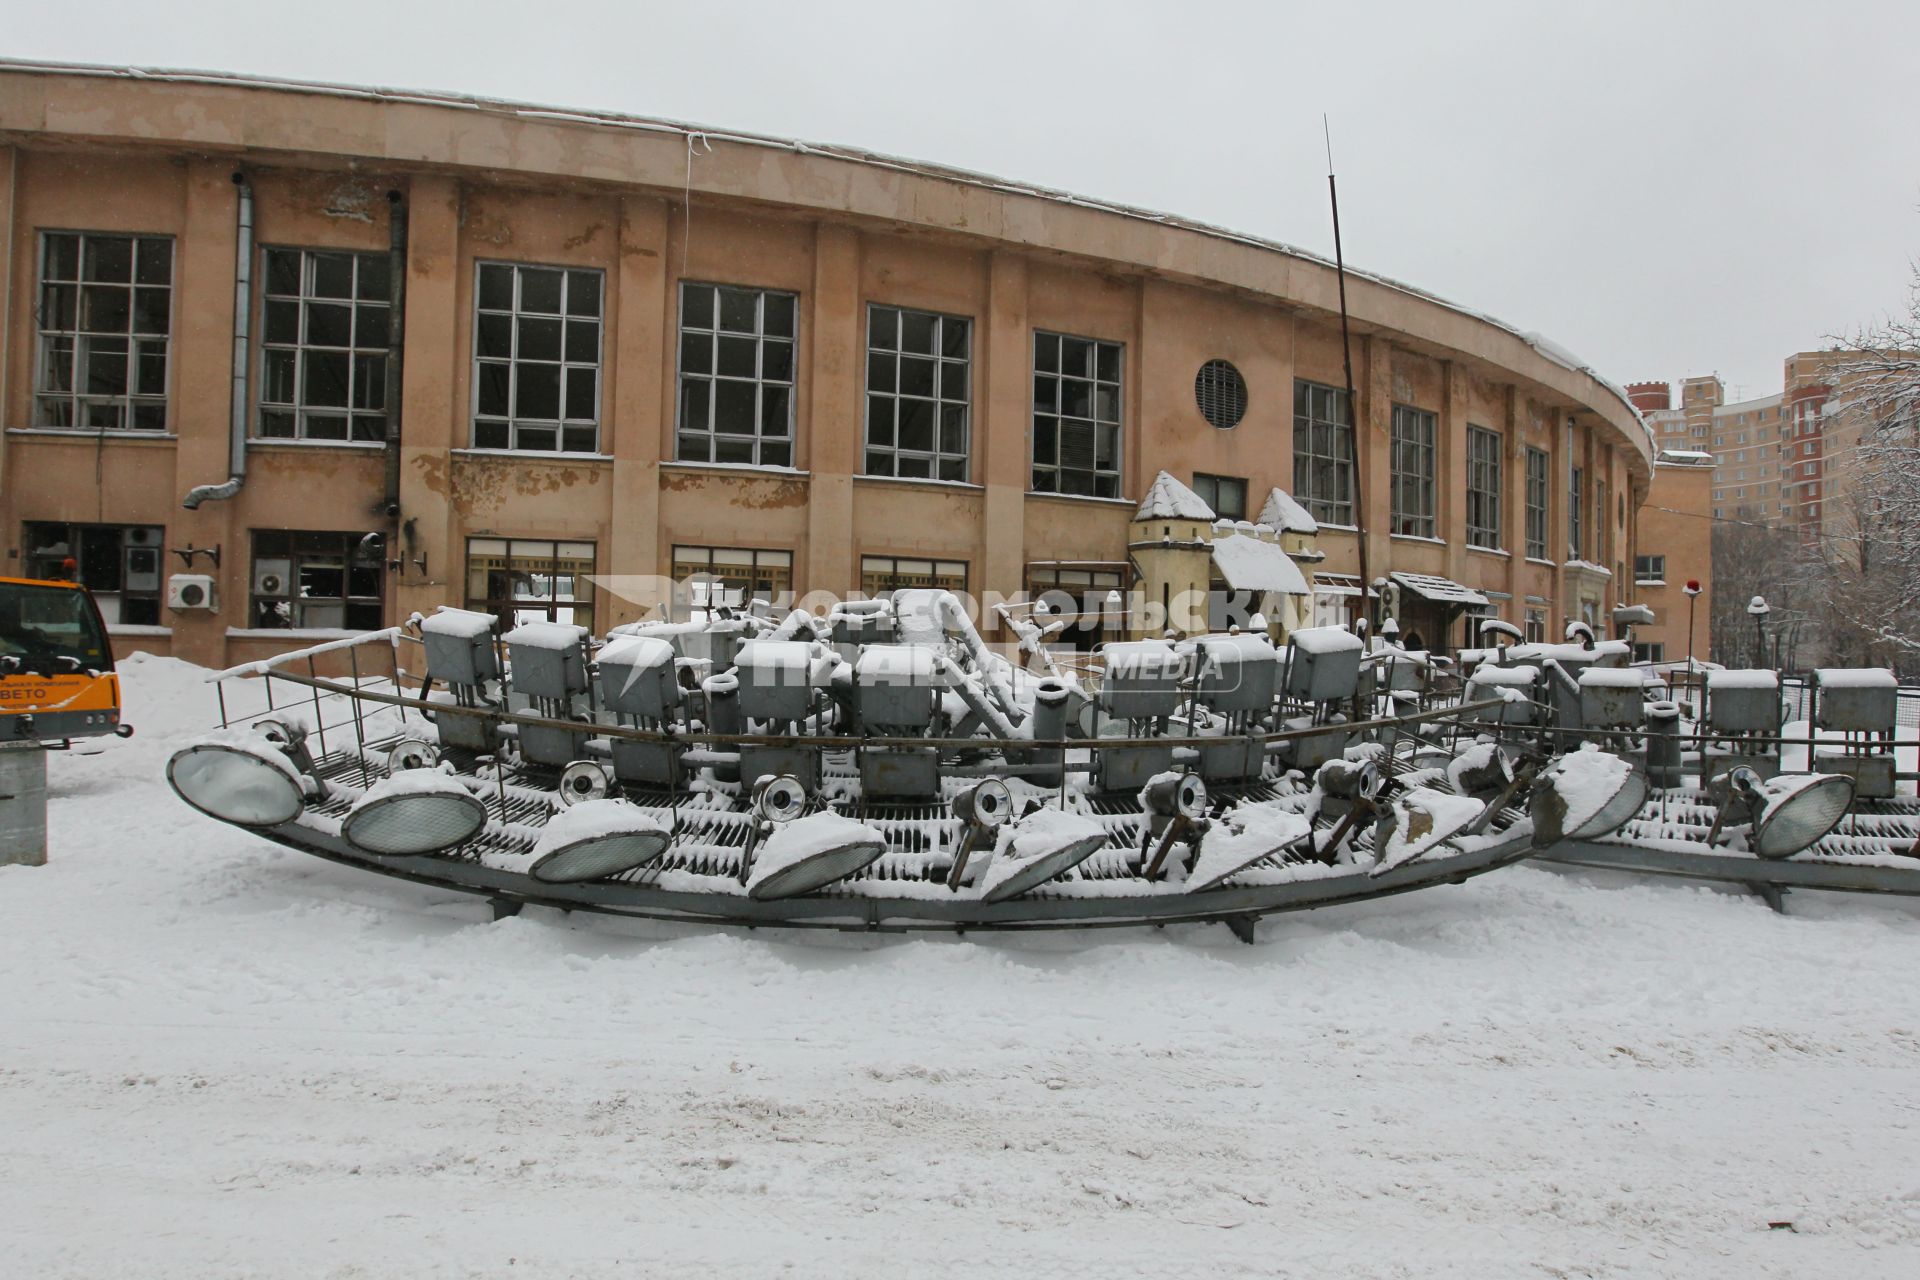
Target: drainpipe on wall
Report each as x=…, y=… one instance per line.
x=396, y=342
x=242, y=323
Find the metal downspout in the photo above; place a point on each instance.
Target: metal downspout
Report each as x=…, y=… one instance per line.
x=242, y=326
x=396, y=342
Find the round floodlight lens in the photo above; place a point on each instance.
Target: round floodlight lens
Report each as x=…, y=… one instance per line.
x=582, y=780
x=1803, y=818
x=412, y=754
x=1613, y=815
x=235, y=786
x=780, y=798
x=987, y=804
x=416, y=823
x=600, y=856
x=1191, y=799
x=1043, y=867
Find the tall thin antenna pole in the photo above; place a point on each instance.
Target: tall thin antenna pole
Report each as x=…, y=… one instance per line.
x=1346, y=353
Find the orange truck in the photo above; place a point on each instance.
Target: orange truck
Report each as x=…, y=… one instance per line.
x=56, y=666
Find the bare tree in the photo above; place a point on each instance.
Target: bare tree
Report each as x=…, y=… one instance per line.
x=1863, y=569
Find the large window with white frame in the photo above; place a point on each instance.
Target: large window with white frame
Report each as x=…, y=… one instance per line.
x=105, y=322
x=1414, y=431
x=536, y=358
x=1076, y=415
x=1483, y=488
x=323, y=345
x=1323, y=452
x=737, y=350
x=919, y=394
x=1537, y=484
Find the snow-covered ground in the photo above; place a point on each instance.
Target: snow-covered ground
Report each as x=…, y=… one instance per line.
x=218, y=1058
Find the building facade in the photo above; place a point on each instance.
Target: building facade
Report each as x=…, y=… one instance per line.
x=283, y=360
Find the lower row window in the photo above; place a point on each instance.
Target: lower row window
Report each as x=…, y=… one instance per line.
x=882, y=575
x=316, y=581
x=119, y=563
x=731, y=577
x=531, y=580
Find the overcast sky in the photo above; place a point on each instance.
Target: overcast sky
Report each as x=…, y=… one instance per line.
x=1665, y=189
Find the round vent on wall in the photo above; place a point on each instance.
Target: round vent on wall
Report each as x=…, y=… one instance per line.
x=270, y=585
x=1221, y=393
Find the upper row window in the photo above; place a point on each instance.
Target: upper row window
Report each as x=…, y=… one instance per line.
x=919, y=393
x=323, y=345
x=1076, y=415
x=104, y=321
x=736, y=375
x=536, y=359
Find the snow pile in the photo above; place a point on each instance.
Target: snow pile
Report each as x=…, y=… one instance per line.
x=1424, y=819
x=1168, y=499
x=541, y=634
x=1585, y=781
x=1283, y=513
x=273, y=1066
x=1324, y=640
x=1044, y=833
x=412, y=782
x=1241, y=837
x=1736, y=678
x=461, y=624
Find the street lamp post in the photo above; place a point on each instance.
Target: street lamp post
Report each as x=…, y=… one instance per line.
x=1693, y=593
x=1758, y=609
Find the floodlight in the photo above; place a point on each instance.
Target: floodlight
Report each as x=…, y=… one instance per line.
x=583, y=780
x=1792, y=812
x=1584, y=795
x=1177, y=796
x=986, y=804
x=1242, y=837
x=412, y=753
x=779, y=798
x=238, y=777
x=812, y=852
x=593, y=839
x=414, y=812
x=1039, y=847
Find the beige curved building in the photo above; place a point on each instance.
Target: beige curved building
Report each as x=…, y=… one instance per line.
x=631, y=350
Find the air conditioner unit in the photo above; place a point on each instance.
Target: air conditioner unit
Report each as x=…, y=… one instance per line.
x=143, y=569
x=270, y=577
x=190, y=591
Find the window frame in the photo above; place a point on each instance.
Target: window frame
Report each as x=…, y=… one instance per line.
x=773, y=562
x=939, y=462
x=514, y=424
x=73, y=535
x=1104, y=482
x=1576, y=477
x=1308, y=425
x=509, y=608
x=1650, y=569
x=129, y=401
x=351, y=558
x=765, y=448
x=1485, y=464
x=298, y=411
x=1208, y=486
x=938, y=575
x=1539, y=510
x=1414, y=436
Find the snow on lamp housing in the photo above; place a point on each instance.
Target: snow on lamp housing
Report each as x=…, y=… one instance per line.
x=1584, y=795
x=593, y=839
x=414, y=812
